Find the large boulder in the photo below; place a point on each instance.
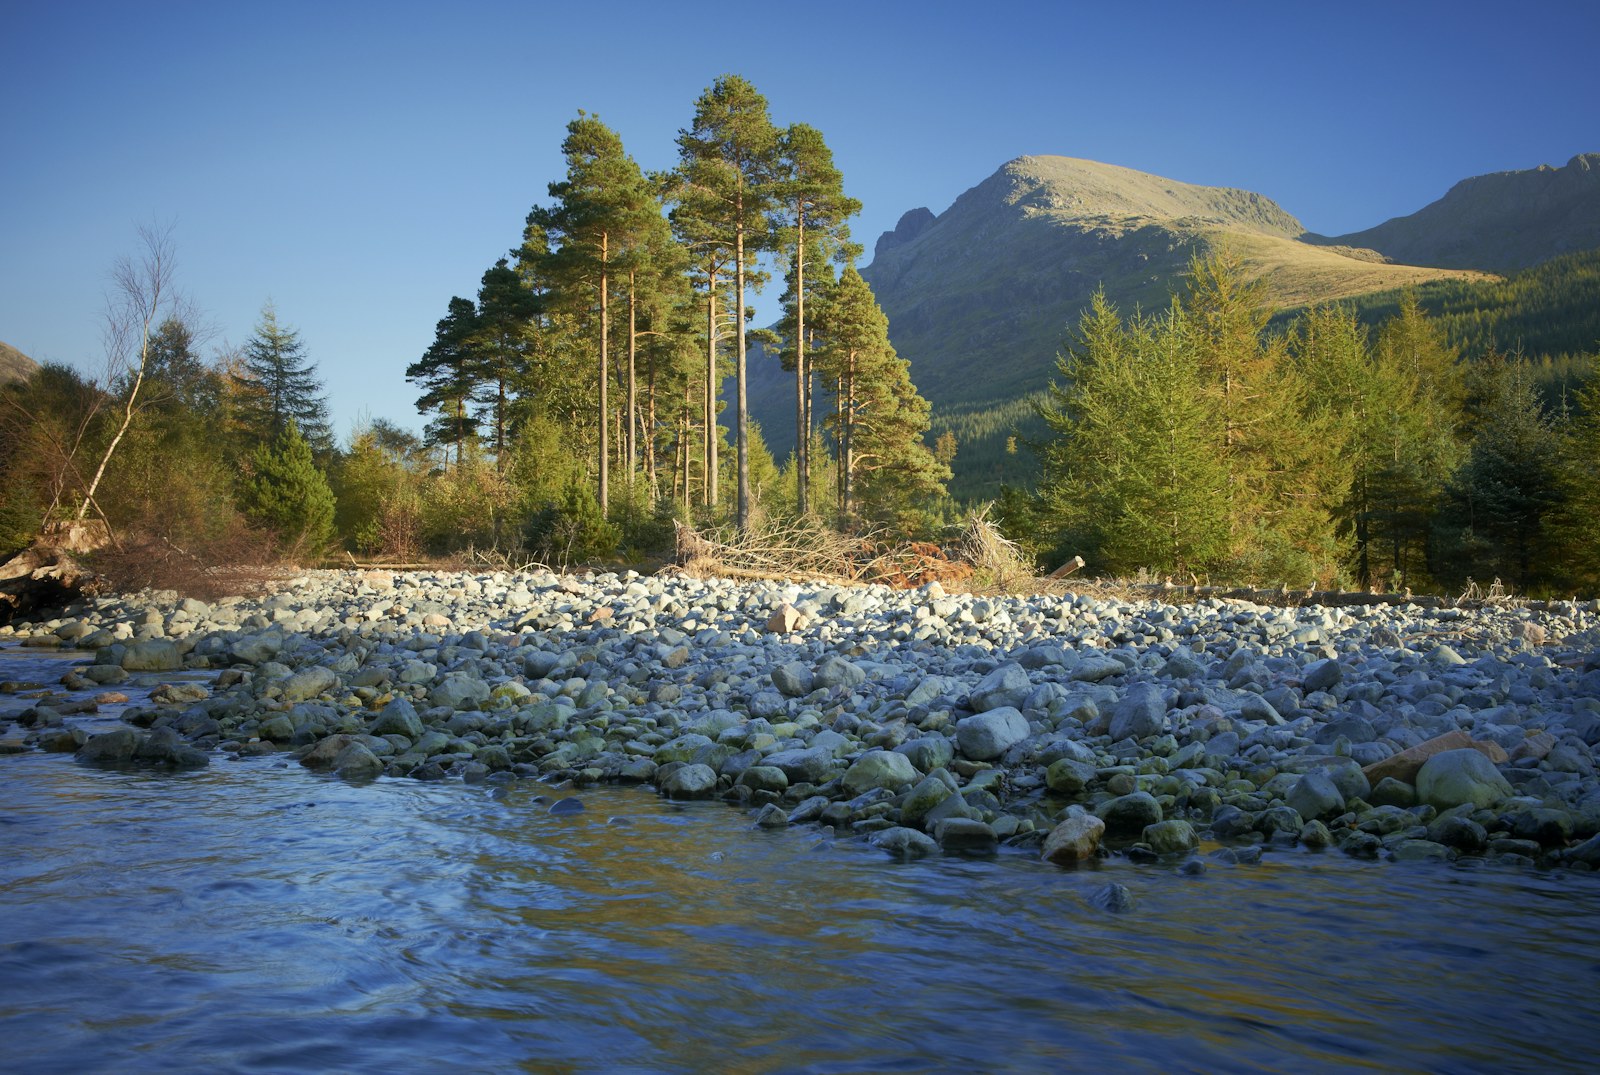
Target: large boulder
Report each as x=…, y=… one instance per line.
x=1075, y=840
x=1140, y=713
x=880, y=769
x=1315, y=795
x=1128, y=815
x=988, y=735
x=308, y=683
x=1461, y=776
x=1007, y=685
x=459, y=692
x=152, y=655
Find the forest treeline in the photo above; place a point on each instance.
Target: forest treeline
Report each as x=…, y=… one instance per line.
x=1195, y=443
x=574, y=406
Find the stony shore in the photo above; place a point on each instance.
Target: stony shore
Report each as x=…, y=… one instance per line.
x=1071, y=727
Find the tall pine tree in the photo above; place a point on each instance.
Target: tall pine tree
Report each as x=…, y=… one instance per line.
x=280, y=385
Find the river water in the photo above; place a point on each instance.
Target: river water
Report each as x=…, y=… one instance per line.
x=253, y=916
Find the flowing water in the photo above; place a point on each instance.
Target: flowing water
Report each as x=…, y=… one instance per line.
x=253, y=916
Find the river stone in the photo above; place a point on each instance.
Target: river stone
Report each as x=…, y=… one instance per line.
x=152, y=655
x=459, y=692
x=1129, y=814
x=109, y=748
x=1461, y=833
x=836, y=671
x=880, y=769
x=1461, y=776
x=1113, y=898
x=356, y=762
x=1170, y=837
x=1075, y=840
x=1068, y=777
x=566, y=807
x=793, y=680
x=988, y=735
x=966, y=834
x=399, y=717
x=690, y=782
x=1322, y=675
x=764, y=778
x=929, y=793
x=682, y=748
x=308, y=683
x=903, y=842
x=1315, y=795
x=813, y=765
x=1255, y=707
x=927, y=753
x=1392, y=792
x=771, y=816
x=1140, y=713
x=1095, y=668
x=256, y=649
x=1007, y=685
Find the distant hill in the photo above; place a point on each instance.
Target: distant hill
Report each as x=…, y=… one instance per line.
x=981, y=297
x=1500, y=222
x=14, y=365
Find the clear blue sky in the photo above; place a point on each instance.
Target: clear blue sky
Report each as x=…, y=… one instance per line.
x=360, y=163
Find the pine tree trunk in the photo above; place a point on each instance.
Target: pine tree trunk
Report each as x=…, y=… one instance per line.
x=801, y=448
x=742, y=418
x=633, y=398
x=710, y=455
x=605, y=376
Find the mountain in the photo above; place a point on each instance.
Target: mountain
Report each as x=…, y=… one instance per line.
x=981, y=297
x=14, y=365
x=996, y=281
x=1500, y=222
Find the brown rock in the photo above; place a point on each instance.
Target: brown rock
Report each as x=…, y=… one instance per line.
x=601, y=614
x=1535, y=747
x=786, y=620
x=1073, y=841
x=1405, y=765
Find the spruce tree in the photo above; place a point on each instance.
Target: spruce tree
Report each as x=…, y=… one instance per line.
x=279, y=385
x=1504, y=496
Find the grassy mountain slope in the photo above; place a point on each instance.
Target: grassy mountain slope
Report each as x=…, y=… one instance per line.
x=981, y=297
x=14, y=365
x=1500, y=222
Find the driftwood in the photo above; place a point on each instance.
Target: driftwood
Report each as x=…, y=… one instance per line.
x=38, y=579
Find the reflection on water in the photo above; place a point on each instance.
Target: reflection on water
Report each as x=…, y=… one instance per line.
x=256, y=917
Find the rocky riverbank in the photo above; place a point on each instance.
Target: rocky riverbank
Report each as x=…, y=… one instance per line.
x=920, y=721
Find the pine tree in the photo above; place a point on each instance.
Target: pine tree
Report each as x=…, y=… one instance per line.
x=280, y=386
x=602, y=209
x=1577, y=525
x=810, y=222
x=447, y=373
x=879, y=421
x=287, y=494
x=727, y=162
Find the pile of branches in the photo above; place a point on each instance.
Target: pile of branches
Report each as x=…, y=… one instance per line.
x=979, y=558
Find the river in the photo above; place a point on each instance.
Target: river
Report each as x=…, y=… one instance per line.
x=254, y=916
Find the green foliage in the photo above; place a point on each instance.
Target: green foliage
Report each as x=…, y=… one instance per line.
x=1501, y=501
x=1135, y=477
x=469, y=505
x=287, y=494
x=278, y=385
x=573, y=531
x=378, y=484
